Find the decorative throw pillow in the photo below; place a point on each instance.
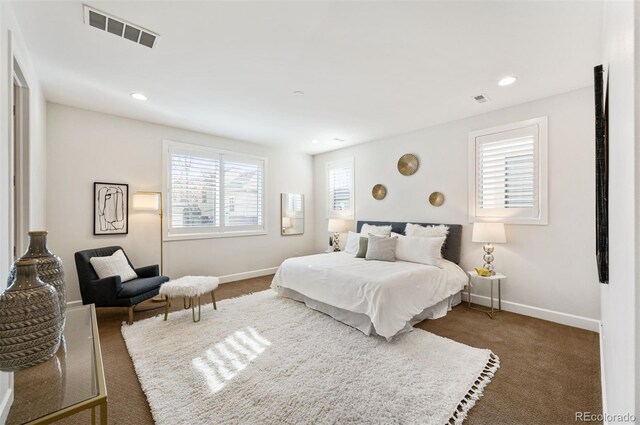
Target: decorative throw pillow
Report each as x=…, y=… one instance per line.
x=381, y=248
x=420, y=250
x=353, y=243
x=375, y=230
x=426, y=231
x=362, y=251
x=114, y=265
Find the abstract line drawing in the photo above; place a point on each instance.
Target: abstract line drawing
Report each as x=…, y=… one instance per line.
x=110, y=208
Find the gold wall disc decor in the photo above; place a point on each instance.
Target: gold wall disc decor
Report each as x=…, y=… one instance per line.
x=379, y=192
x=436, y=199
x=408, y=164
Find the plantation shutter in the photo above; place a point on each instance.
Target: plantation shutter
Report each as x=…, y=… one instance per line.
x=243, y=197
x=507, y=174
x=212, y=192
x=340, y=188
x=194, y=191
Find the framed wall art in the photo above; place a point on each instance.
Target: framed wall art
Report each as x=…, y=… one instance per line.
x=110, y=208
x=602, y=174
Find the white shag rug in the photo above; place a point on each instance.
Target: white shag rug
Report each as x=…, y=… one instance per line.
x=263, y=359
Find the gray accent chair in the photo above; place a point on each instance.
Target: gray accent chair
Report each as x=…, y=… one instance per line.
x=110, y=291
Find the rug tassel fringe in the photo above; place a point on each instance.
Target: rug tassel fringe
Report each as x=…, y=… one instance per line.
x=476, y=391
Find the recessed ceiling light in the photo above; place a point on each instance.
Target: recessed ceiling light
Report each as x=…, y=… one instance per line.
x=299, y=92
x=138, y=96
x=507, y=81
x=314, y=141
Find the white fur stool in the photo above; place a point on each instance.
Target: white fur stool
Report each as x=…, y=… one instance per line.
x=189, y=287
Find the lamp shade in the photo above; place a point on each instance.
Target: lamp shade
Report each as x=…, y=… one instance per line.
x=489, y=233
x=146, y=201
x=336, y=225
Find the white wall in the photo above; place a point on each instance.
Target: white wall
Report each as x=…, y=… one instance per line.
x=12, y=45
x=84, y=147
x=549, y=267
x=620, y=296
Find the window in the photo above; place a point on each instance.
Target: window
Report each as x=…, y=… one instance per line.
x=340, y=188
x=508, y=173
x=212, y=192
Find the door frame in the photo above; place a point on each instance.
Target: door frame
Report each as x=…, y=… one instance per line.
x=20, y=189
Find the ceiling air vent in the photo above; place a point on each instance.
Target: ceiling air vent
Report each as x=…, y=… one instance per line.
x=120, y=27
x=481, y=98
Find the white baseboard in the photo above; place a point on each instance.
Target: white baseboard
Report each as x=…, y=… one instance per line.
x=247, y=275
x=5, y=404
x=603, y=381
x=539, y=313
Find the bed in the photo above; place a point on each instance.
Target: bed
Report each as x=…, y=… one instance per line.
x=376, y=297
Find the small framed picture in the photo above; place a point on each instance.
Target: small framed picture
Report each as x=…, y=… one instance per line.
x=110, y=208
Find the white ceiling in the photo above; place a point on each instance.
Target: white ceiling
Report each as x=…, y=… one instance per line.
x=368, y=69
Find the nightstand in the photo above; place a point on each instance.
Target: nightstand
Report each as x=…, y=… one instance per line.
x=473, y=276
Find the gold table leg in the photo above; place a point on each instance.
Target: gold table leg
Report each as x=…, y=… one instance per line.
x=103, y=413
x=490, y=312
x=491, y=315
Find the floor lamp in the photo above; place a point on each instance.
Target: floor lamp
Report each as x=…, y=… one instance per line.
x=151, y=201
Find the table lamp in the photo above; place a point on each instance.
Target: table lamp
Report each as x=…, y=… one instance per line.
x=336, y=226
x=488, y=233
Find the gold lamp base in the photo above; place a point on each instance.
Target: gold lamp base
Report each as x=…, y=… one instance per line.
x=488, y=258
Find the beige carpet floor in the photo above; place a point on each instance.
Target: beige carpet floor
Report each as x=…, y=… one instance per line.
x=547, y=373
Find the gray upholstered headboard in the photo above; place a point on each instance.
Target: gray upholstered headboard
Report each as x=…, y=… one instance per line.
x=451, y=248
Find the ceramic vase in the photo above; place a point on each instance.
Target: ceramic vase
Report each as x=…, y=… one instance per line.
x=30, y=320
x=49, y=266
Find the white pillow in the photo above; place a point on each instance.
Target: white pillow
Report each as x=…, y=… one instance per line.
x=114, y=265
x=353, y=243
x=426, y=231
x=375, y=230
x=420, y=250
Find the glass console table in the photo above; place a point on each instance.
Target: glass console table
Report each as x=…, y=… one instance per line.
x=71, y=381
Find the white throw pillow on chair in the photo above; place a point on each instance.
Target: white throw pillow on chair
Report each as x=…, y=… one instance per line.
x=113, y=265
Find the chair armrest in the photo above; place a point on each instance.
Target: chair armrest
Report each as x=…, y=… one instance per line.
x=105, y=291
x=148, y=271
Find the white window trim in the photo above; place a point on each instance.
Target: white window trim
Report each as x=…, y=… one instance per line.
x=348, y=215
x=217, y=233
x=543, y=178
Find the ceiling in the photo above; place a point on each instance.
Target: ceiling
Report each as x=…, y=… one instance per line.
x=367, y=69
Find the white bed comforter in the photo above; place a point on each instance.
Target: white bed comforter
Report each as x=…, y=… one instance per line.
x=389, y=293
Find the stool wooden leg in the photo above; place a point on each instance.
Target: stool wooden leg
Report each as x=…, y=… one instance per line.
x=213, y=298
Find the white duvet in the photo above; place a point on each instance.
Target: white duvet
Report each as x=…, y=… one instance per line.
x=390, y=293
